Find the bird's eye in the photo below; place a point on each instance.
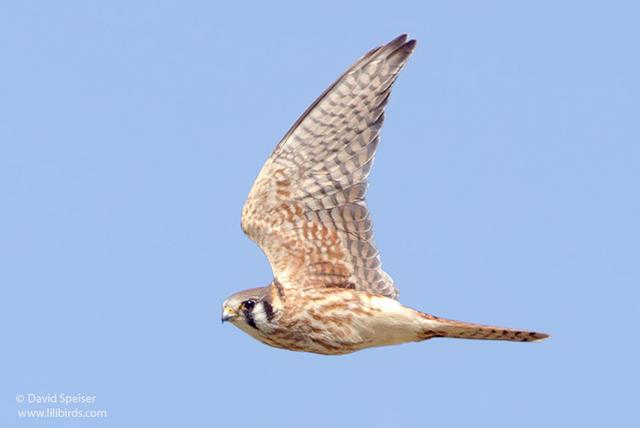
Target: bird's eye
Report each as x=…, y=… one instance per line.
x=248, y=305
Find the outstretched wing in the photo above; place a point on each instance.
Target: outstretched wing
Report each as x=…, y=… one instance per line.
x=307, y=209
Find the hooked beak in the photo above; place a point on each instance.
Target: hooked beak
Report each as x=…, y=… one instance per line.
x=228, y=314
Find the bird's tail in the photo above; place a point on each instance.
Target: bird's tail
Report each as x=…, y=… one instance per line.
x=441, y=327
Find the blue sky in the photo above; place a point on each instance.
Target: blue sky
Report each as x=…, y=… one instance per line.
x=505, y=191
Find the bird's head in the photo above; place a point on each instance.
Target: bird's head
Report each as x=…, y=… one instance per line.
x=250, y=310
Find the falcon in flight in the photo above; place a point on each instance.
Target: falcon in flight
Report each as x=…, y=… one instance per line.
x=307, y=212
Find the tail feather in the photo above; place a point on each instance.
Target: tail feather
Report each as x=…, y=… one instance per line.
x=441, y=327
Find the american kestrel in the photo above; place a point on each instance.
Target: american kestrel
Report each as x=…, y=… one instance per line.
x=307, y=212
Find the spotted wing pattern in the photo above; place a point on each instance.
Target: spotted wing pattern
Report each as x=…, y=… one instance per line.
x=307, y=209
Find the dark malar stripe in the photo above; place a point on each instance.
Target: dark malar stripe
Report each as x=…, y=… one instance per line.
x=248, y=316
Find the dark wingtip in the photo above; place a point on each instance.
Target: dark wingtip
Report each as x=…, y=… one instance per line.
x=400, y=48
x=401, y=39
x=410, y=45
x=401, y=44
